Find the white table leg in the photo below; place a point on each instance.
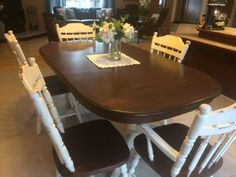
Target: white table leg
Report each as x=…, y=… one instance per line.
x=124, y=171
x=132, y=132
x=116, y=172
x=134, y=164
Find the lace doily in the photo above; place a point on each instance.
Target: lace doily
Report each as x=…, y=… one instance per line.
x=104, y=61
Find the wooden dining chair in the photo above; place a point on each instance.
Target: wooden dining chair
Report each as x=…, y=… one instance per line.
x=84, y=149
x=75, y=32
x=170, y=47
x=54, y=84
x=176, y=150
x=50, y=22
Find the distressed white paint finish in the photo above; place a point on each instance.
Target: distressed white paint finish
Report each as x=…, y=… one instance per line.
x=169, y=46
x=207, y=123
x=32, y=79
x=15, y=46
x=16, y=49
x=75, y=32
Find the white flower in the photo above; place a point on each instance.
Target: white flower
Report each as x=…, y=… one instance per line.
x=107, y=32
x=144, y=3
x=128, y=30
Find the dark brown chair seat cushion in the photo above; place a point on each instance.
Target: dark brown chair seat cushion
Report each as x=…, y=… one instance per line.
x=55, y=85
x=173, y=134
x=94, y=146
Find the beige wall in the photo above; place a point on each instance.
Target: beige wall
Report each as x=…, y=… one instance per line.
x=40, y=7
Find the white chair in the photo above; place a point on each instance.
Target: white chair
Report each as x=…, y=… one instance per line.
x=84, y=149
x=170, y=47
x=54, y=84
x=75, y=32
x=179, y=151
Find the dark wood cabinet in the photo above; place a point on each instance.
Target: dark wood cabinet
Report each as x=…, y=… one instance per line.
x=14, y=17
x=217, y=62
x=188, y=11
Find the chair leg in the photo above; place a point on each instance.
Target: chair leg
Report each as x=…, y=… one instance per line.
x=58, y=174
x=165, y=122
x=75, y=105
x=150, y=149
x=38, y=126
x=70, y=100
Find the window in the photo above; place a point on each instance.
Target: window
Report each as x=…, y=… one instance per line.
x=161, y=3
x=84, y=3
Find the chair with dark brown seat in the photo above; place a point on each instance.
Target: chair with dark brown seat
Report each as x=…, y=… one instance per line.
x=151, y=25
x=50, y=22
x=84, y=149
x=176, y=150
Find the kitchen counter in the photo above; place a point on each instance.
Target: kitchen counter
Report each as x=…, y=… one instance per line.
x=215, y=57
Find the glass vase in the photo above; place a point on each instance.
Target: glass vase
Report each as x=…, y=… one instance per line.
x=115, y=50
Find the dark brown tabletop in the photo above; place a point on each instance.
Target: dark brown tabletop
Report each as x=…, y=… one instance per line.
x=154, y=90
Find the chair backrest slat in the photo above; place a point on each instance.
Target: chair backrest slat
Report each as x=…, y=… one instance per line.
x=171, y=46
x=75, y=32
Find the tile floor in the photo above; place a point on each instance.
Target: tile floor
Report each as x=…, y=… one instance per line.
x=23, y=153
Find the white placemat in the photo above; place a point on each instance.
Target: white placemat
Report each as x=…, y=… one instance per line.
x=103, y=60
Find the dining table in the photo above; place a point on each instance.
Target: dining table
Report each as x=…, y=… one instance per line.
x=155, y=89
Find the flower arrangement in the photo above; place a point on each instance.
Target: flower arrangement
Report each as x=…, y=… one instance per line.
x=115, y=30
